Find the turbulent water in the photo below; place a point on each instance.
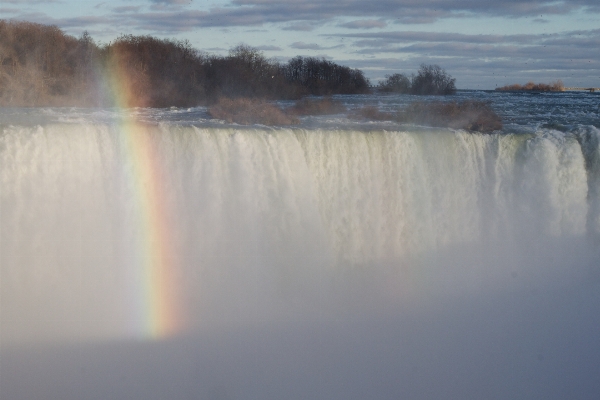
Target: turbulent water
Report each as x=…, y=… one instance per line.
x=336, y=259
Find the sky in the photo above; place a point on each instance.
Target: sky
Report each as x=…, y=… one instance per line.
x=481, y=44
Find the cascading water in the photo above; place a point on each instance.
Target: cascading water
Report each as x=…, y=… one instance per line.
x=371, y=239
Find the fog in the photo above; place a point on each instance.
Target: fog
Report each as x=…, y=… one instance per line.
x=305, y=264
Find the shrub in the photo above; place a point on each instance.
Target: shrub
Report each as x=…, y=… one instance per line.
x=469, y=115
x=396, y=83
x=250, y=111
x=556, y=86
x=322, y=106
x=372, y=113
x=431, y=79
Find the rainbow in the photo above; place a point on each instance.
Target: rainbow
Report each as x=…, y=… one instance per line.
x=157, y=310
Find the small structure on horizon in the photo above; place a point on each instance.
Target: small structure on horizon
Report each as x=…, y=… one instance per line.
x=590, y=89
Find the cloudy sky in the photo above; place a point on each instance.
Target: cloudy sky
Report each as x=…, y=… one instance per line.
x=483, y=44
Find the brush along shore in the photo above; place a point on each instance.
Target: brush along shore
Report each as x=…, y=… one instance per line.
x=469, y=115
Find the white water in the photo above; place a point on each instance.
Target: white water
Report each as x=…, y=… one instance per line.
x=413, y=258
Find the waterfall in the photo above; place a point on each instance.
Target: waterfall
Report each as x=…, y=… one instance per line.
x=282, y=223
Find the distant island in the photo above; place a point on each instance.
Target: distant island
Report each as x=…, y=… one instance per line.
x=556, y=86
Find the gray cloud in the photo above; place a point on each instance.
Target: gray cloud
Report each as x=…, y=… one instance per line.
x=312, y=46
x=388, y=41
x=171, y=2
x=520, y=56
x=403, y=11
x=305, y=46
x=364, y=24
x=29, y=2
x=126, y=9
x=168, y=16
x=269, y=48
x=301, y=26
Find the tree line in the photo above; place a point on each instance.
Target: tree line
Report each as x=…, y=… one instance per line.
x=41, y=65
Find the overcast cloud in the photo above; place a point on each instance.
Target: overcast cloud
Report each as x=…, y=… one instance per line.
x=404, y=10
x=183, y=14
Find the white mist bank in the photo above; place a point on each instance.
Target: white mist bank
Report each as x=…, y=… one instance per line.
x=311, y=263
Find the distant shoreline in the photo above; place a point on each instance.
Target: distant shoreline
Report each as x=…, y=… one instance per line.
x=597, y=91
